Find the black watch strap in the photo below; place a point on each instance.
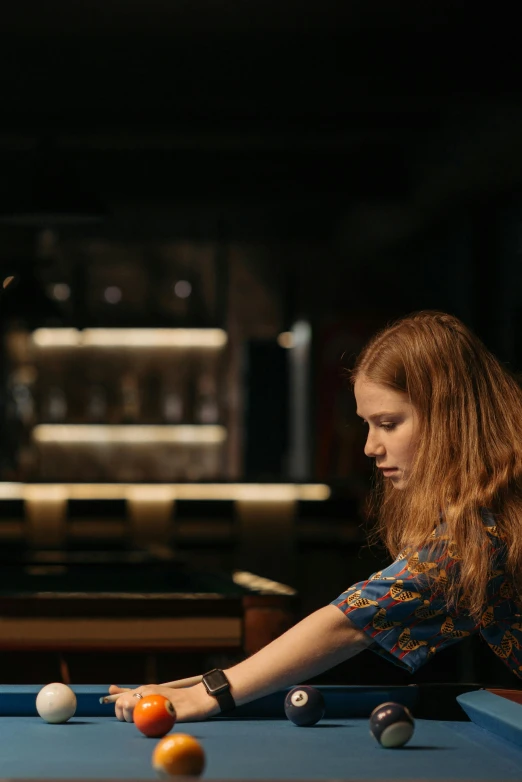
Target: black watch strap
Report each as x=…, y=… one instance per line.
x=218, y=686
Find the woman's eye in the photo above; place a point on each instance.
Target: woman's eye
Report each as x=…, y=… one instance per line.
x=388, y=427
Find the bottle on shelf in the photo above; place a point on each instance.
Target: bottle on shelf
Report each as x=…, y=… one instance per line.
x=96, y=404
x=130, y=398
x=173, y=409
x=55, y=405
x=175, y=393
x=206, y=407
x=21, y=383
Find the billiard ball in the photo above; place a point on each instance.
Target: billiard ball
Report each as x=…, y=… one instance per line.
x=56, y=703
x=178, y=755
x=304, y=706
x=392, y=725
x=154, y=715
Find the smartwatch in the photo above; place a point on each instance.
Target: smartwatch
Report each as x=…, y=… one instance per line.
x=217, y=685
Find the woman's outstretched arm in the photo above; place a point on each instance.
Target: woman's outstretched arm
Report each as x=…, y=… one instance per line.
x=318, y=642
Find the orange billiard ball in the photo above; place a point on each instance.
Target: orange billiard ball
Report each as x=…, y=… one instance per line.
x=178, y=755
x=154, y=715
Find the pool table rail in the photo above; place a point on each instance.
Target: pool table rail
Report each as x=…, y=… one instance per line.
x=497, y=711
x=341, y=701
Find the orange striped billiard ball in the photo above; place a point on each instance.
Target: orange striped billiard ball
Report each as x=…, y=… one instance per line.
x=154, y=715
x=178, y=755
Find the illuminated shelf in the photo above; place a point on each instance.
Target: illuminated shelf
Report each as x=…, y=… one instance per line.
x=248, y=492
x=107, y=434
x=128, y=338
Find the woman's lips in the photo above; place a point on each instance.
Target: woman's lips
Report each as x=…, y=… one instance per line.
x=387, y=471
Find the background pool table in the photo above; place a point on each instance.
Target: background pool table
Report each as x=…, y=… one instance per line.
x=259, y=743
x=81, y=616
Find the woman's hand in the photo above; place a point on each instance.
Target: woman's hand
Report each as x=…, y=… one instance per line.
x=190, y=703
x=318, y=642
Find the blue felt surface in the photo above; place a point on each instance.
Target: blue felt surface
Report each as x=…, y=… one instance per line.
x=266, y=749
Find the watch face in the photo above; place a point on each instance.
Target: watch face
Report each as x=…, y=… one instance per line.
x=216, y=681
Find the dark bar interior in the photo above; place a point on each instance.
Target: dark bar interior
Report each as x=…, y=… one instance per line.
x=206, y=210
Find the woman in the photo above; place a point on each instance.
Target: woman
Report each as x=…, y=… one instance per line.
x=445, y=431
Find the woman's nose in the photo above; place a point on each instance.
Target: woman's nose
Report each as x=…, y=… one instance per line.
x=373, y=447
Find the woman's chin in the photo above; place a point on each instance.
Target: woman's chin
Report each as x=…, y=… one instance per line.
x=398, y=481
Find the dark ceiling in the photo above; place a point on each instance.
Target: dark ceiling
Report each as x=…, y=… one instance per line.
x=386, y=114
x=261, y=64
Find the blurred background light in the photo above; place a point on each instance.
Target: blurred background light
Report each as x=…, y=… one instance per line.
x=112, y=294
x=60, y=291
x=183, y=289
x=285, y=339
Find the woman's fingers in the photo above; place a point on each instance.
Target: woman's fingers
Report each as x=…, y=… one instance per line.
x=114, y=689
x=124, y=706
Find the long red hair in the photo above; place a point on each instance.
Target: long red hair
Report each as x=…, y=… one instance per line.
x=468, y=454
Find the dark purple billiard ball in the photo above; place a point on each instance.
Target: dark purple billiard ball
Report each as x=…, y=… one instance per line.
x=392, y=725
x=304, y=706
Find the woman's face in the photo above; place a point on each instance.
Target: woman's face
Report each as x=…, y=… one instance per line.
x=392, y=428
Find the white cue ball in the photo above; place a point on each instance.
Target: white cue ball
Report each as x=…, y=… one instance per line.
x=56, y=703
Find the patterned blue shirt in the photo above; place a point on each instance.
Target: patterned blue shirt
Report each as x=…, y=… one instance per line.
x=407, y=617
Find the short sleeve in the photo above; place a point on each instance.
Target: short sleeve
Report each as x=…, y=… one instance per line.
x=501, y=621
x=402, y=609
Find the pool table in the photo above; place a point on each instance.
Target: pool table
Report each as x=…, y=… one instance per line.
x=258, y=743
x=132, y=603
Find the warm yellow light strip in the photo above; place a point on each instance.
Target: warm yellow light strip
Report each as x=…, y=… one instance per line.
x=130, y=338
x=56, y=338
x=252, y=492
x=45, y=492
x=11, y=491
x=109, y=434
